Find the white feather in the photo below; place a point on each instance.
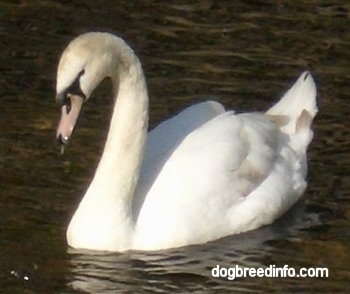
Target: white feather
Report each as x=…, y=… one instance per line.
x=199, y=176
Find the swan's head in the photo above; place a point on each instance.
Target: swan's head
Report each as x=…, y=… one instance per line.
x=86, y=61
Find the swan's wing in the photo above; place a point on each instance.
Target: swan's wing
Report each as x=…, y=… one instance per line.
x=165, y=138
x=227, y=149
x=214, y=169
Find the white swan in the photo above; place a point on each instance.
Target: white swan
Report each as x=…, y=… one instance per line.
x=199, y=176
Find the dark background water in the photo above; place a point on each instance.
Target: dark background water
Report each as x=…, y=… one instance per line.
x=242, y=53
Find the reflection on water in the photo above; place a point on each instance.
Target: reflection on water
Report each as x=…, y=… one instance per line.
x=184, y=269
x=242, y=54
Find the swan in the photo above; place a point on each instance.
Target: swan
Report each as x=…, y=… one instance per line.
x=202, y=175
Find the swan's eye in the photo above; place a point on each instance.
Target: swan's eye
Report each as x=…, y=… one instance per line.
x=73, y=90
x=81, y=73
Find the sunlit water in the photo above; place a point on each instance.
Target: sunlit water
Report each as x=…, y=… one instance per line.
x=243, y=55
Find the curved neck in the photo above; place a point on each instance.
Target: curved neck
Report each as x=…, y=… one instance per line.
x=118, y=170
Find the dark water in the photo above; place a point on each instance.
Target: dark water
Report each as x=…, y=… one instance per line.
x=244, y=55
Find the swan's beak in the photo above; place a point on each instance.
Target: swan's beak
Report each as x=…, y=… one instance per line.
x=69, y=115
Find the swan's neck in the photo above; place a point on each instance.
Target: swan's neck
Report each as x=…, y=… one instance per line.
x=119, y=167
x=104, y=218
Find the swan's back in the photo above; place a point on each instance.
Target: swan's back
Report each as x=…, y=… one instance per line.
x=234, y=173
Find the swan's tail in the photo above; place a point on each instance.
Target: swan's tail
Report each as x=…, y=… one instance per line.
x=298, y=108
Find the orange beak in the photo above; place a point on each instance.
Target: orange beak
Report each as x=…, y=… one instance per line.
x=69, y=115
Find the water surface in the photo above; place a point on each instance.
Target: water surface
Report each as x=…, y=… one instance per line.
x=243, y=54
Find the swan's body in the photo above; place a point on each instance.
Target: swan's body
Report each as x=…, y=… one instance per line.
x=199, y=176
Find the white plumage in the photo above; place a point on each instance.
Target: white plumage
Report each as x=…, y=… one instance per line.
x=199, y=176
